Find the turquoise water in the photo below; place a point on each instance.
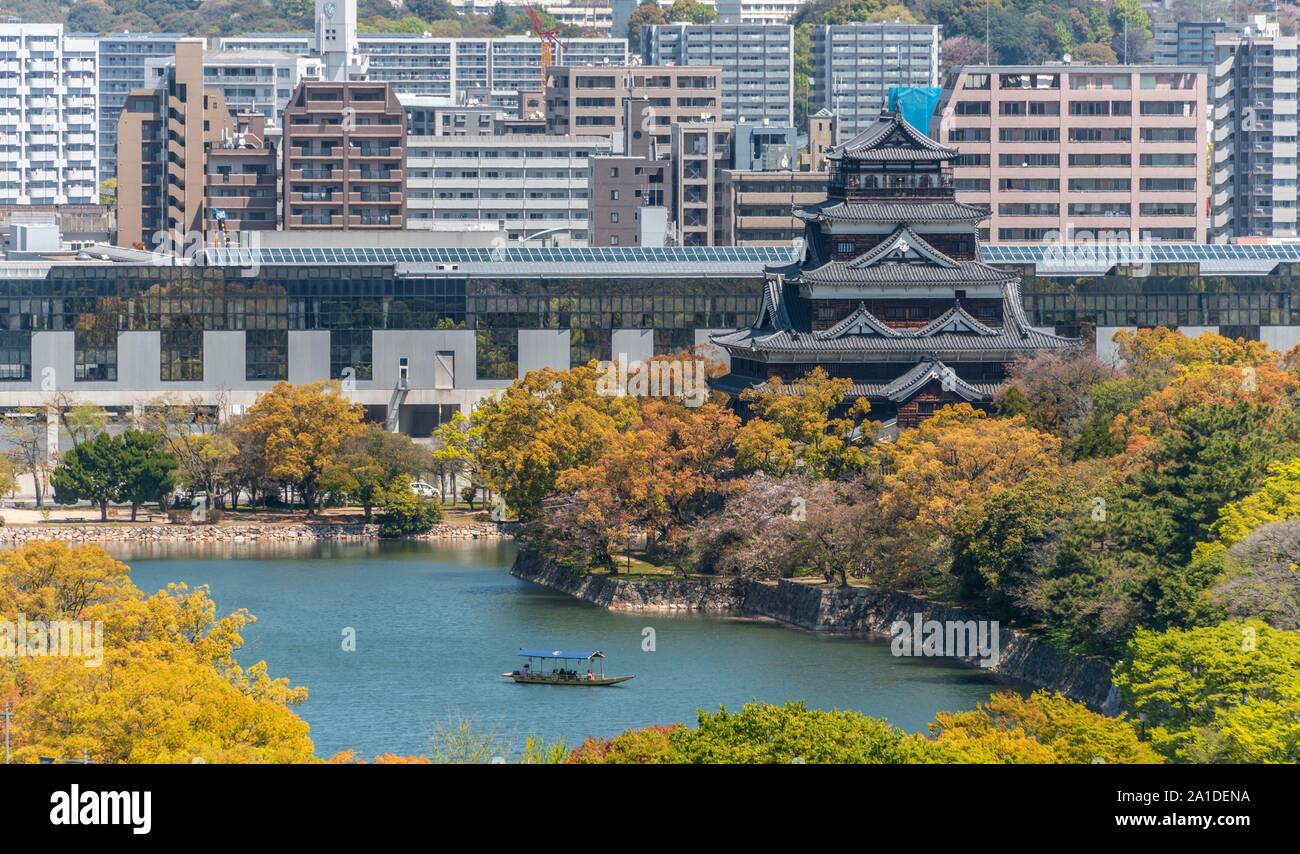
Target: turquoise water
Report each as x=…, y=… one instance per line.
x=437, y=624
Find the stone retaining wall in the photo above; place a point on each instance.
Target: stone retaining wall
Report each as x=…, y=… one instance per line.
x=854, y=611
x=304, y=532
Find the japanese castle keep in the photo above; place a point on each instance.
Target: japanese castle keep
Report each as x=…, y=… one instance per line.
x=890, y=291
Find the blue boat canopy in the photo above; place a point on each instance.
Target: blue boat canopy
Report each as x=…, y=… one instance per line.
x=572, y=655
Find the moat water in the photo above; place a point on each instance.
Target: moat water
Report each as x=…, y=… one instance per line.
x=436, y=624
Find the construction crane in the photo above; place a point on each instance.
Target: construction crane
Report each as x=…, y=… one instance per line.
x=548, y=38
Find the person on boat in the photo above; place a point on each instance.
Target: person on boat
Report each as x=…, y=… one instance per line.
x=526, y=669
x=591, y=677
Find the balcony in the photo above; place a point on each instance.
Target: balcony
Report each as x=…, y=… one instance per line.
x=312, y=221
x=315, y=174
x=312, y=196
x=376, y=174
x=376, y=221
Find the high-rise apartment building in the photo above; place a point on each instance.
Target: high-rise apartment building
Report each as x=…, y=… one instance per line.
x=1190, y=43
x=455, y=68
x=49, y=122
x=621, y=188
x=522, y=184
x=757, y=11
x=251, y=81
x=855, y=66
x=1085, y=152
x=700, y=152
x=163, y=135
x=1255, y=130
x=344, y=157
x=241, y=191
x=257, y=81
x=123, y=58
x=344, y=139
x=757, y=63
x=586, y=100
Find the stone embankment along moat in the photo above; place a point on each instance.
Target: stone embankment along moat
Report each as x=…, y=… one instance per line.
x=857, y=611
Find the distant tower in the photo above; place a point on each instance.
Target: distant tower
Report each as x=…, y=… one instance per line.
x=336, y=41
x=821, y=136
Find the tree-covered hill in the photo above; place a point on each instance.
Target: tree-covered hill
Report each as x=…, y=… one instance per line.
x=1019, y=31
x=235, y=17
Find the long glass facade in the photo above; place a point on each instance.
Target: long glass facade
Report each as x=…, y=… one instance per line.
x=351, y=303
x=1166, y=295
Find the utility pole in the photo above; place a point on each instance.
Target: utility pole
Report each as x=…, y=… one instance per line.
x=988, y=32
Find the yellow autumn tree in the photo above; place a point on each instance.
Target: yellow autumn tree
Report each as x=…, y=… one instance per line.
x=546, y=423
x=1162, y=349
x=957, y=459
x=1040, y=728
x=301, y=430
x=162, y=685
x=1276, y=500
x=805, y=425
x=658, y=475
x=1197, y=385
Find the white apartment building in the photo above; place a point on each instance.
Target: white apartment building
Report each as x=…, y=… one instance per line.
x=757, y=11
x=49, y=116
x=757, y=62
x=455, y=68
x=567, y=13
x=855, y=66
x=252, y=81
x=122, y=61
x=1255, y=134
x=523, y=184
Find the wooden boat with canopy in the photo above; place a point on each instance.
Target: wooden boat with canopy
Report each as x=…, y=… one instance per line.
x=565, y=668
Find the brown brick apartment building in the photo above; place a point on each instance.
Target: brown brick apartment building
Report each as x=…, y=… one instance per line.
x=344, y=157
x=163, y=136
x=241, y=181
x=590, y=100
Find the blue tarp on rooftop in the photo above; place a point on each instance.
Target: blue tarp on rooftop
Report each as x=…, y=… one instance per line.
x=917, y=102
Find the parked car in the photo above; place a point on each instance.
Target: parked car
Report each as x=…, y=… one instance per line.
x=422, y=489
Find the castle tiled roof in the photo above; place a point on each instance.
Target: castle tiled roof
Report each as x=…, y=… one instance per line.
x=891, y=138
x=903, y=258
x=899, y=389
x=863, y=335
x=836, y=210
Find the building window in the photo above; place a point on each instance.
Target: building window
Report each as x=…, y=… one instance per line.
x=497, y=354
x=15, y=356
x=182, y=355
x=613, y=195
x=352, y=350
x=266, y=354
x=613, y=217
